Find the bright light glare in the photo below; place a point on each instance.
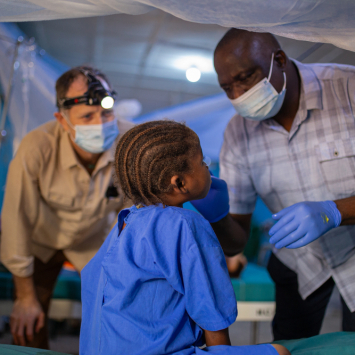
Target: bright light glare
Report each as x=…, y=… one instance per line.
x=193, y=74
x=107, y=102
x=204, y=64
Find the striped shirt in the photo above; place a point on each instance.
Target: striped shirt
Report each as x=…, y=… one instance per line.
x=315, y=161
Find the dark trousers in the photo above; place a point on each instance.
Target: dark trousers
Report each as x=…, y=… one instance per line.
x=296, y=318
x=44, y=278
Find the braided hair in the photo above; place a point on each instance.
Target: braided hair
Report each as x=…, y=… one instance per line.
x=148, y=155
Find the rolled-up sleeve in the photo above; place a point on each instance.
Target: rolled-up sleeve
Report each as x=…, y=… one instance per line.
x=234, y=169
x=20, y=209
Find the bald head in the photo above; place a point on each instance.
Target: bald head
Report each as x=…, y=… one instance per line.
x=243, y=58
x=241, y=42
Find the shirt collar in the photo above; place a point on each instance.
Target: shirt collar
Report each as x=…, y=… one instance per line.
x=312, y=90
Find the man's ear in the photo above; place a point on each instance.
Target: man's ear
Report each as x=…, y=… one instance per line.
x=59, y=117
x=178, y=184
x=281, y=58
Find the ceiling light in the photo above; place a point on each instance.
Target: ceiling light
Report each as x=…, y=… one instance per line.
x=204, y=64
x=193, y=74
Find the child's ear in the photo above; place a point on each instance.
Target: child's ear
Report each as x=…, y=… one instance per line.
x=178, y=184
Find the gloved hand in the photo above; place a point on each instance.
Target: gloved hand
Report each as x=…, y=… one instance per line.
x=303, y=222
x=215, y=205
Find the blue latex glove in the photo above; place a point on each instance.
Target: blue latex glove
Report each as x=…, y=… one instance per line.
x=303, y=222
x=215, y=205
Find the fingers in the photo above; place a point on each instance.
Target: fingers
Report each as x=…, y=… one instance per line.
x=290, y=239
x=25, y=326
x=218, y=184
x=29, y=328
x=283, y=212
x=40, y=322
x=299, y=243
x=280, y=224
x=13, y=328
x=284, y=231
x=17, y=331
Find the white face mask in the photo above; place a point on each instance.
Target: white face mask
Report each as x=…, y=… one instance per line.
x=262, y=101
x=94, y=138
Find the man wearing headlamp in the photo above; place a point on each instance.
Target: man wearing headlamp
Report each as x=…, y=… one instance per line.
x=292, y=144
x=60, y=200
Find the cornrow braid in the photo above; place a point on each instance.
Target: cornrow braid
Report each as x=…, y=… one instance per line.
x=148, y=155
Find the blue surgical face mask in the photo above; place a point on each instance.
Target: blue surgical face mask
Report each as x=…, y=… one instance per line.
x=262, y=101
x=95, y=138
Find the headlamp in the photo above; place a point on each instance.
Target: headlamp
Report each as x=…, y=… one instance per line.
x=96, y=95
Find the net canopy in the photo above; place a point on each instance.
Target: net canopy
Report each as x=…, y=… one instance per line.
x=325, y=21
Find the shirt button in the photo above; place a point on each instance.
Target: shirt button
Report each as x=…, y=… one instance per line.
x=336, y=153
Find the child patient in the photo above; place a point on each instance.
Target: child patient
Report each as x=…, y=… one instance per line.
x=159, y=284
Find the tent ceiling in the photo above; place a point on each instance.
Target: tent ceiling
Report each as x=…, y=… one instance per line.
x=328, y=21
x=139, y=53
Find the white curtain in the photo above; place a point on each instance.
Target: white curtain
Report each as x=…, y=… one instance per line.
x=326, y=21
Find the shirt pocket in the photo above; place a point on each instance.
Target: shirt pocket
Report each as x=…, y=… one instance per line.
x=60, y=201
x=337, y=166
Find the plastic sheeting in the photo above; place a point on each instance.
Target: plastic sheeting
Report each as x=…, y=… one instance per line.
x=326, y=21
x=33, y=96
x=32, y=100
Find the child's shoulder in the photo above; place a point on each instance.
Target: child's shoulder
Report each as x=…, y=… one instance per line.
x=173, y=225
x=197, y=224
x=183, y=214
x=172, y=217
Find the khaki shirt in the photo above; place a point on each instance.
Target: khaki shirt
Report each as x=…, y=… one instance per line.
x=52, y=203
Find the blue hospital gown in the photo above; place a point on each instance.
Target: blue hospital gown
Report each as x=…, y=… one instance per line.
x=152, y=287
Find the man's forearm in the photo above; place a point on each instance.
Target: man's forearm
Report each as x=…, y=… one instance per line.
x=24, y=287
x=346, y=208
x=231, y=235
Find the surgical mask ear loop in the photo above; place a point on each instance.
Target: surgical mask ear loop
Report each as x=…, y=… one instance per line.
x=70, y=125
x=271, y=66
x=270, y=72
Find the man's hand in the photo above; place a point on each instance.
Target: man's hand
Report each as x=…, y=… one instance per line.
x=27, y=314
x=303, y=222
x=215, y=205
x=236, y=264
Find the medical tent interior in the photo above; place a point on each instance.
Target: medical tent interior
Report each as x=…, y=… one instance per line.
x=147, y=46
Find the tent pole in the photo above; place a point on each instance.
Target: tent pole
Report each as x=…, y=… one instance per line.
x=8, y=93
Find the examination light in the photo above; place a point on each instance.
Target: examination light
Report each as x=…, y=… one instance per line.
x=193, y=74
x=96, y=95
x=107, y=102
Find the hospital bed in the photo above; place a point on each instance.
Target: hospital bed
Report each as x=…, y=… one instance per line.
x=326, y=344
x=254, y=291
